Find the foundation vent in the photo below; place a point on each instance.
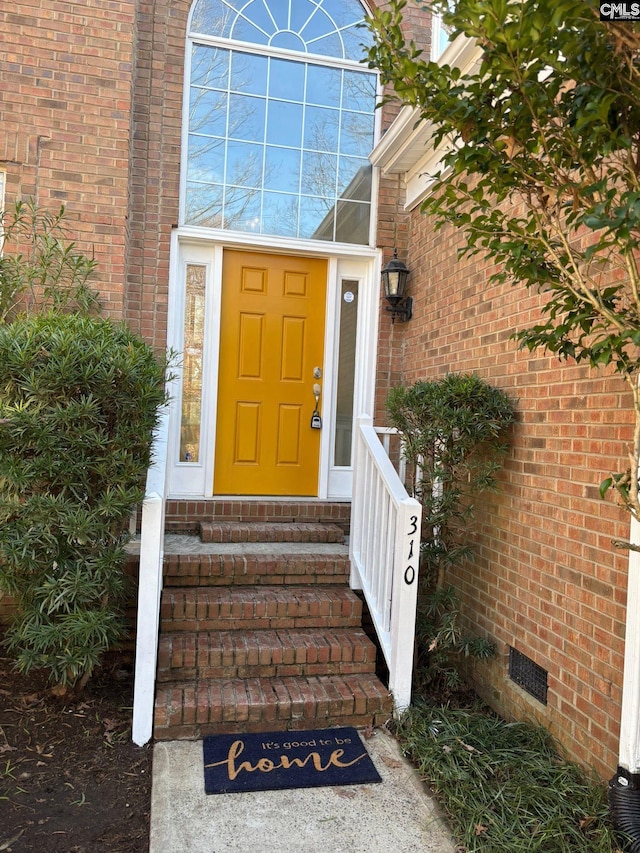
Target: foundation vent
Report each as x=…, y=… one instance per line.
x=528, y=675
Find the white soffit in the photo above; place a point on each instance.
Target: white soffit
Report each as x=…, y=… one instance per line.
x=406, y=148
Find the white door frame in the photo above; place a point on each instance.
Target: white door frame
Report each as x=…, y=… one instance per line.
x=195, y=479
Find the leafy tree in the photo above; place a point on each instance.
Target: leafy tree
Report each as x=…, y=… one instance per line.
x=542, y=167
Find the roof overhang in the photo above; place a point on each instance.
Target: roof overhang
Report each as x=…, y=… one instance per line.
x=407, y=148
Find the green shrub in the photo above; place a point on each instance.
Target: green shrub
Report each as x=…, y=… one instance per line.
x=39, y=268
x=79, y=399
x=454, y=431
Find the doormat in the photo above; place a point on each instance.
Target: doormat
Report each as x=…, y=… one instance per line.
x=298, y=759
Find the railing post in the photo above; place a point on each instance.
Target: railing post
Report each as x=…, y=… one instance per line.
x=149, y=589
x=404, y=601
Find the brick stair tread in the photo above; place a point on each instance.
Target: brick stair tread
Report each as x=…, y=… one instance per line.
x=258, y=607
x=274, y=567
x=268, y=653
x=185, y=513
x=269, y=531
x=194, y=709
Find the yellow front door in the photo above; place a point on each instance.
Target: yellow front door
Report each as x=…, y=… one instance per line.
x=271, y=341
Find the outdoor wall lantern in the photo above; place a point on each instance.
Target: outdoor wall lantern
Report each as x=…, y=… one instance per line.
x=394, y=279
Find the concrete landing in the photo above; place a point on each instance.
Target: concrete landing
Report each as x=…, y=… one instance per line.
x=396, y=816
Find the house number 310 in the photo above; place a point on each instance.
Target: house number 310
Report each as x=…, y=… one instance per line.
x=410, y=572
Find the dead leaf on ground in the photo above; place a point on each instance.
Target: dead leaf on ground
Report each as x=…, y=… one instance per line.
x=480, y=828
x=4, y=743
x=391, y=762
x=347, y=795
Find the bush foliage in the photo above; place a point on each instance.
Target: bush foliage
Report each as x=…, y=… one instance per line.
x=79, y=399
x=454, y=431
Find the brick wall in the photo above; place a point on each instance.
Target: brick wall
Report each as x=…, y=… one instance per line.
x=155, y=153
x=546, y=579
x=65, y=107
x=393, y=229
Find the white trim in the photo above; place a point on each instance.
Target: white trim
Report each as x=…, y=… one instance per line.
x=406, y=148
x=629, y=748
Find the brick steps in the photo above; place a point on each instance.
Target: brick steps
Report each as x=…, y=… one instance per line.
x=228, y=531
x=195, y=709
x=259, y=630
x=186, y=515
x=296, y=568
x=267, y=654
x=246, y=608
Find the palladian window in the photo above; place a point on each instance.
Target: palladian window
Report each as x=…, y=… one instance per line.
x=281, y=119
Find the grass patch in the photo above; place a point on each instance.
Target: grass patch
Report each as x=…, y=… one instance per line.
x=504, y=786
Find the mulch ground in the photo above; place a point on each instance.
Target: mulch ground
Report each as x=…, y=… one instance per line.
x=71, y=780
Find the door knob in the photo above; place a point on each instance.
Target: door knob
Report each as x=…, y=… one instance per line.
x=316, y=390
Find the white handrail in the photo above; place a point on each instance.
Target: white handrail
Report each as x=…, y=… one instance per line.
x=384, y=549
x=150, y=587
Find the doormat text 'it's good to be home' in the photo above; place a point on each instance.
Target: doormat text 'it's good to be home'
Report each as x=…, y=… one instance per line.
x=268, y=761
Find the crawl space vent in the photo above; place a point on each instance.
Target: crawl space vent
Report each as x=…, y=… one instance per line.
x=528, y=675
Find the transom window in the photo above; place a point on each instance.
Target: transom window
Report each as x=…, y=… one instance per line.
x=278, y=143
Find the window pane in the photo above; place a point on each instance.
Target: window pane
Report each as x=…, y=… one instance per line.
x=246, y=118
x=192, y=363
x=324, y=86
x=244, y=31
x=318, y=26
x=352, y=222
x=286, y=80
x=208, y=112
x=355, y=42
x=257, y=13
x=354, y=178
x=212, y=16
x=321, y=129
x=344, y=14
x=206, y=159
x=284, y=124
x=280, y=214
x=330, y=45
x=244, y=164
x=209, y=67
x=359, y=92
x=280, y=11
x=301, y=11
x=204, y=205
x=346, y=371
x=242, y=209
x=356, y=136
x=248, y=73
x=282, y=169
x=319, y=174
x=316, y=218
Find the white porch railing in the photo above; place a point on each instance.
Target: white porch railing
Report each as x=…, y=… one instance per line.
x=150, y=588
x=384, y=549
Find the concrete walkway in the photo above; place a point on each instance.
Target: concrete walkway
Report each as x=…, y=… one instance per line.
x=396, y=816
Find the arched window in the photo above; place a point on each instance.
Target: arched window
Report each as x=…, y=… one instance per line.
x=281, y=119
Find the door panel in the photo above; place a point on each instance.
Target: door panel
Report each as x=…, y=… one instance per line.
x=272, y=338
